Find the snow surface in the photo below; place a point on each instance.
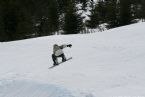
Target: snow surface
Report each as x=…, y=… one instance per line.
x=104, y=64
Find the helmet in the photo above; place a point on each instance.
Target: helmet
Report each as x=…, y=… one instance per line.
x=55, y=45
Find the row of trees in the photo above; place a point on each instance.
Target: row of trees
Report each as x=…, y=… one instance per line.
x=21, y=19
x=116, y=13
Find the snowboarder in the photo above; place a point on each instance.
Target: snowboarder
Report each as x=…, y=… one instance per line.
x=58, y=52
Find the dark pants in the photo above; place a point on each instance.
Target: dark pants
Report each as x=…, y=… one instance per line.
x=54, y=58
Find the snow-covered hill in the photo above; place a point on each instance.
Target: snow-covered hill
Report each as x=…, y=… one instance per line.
x=104, y=64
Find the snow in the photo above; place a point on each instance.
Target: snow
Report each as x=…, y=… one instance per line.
x=104, y=64
x=24, y=89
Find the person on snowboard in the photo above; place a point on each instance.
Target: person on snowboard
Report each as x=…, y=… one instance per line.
x=58, y=52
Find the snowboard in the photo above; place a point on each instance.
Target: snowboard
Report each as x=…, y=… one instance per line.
x=60, y=63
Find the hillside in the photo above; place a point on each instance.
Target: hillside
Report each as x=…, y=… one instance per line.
x=104, y=64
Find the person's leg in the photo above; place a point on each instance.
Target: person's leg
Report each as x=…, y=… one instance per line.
x=54, y=58
x=63, y=57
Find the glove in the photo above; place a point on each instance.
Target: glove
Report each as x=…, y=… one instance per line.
x=69, y=45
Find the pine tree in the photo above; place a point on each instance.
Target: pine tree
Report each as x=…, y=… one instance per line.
x=40, y=17
x=47, y=20
x=53, y=17
x=25, y=27
x=125, y=12
x=15, y=22
x=2, y=33
x=143, y=9
x=62, y=5
x=10, y=20
x=73, y=21
x=112, y=13
x=136, y=9
x=101, y=9
x=84, y=3
x=94, y=18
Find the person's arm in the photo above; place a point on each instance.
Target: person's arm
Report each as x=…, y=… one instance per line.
x=64, y=46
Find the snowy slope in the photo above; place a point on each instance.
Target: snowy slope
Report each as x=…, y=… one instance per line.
x=104, y=64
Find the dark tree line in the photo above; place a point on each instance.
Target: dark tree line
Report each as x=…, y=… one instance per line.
x=22, y=19
x=116, y=13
